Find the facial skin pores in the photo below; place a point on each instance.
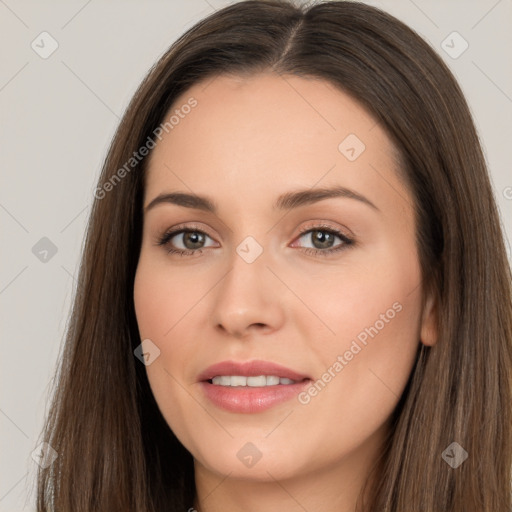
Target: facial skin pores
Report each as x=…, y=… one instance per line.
x=253, y=296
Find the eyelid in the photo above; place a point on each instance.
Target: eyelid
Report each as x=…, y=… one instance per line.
x=324, y=225
x=180, y=228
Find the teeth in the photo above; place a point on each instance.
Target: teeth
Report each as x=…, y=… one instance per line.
x=259, y=381
x=238, y=381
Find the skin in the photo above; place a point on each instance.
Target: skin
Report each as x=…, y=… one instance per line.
x=248, y=140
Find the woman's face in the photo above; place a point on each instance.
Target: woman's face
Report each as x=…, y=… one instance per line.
x=300, y=253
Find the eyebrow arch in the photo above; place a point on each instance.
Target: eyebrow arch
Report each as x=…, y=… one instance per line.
x=302, y=197
x=184, y=199
x=285, y=201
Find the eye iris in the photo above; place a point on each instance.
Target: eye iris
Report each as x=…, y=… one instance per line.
x=196, y=239
x=323, y=237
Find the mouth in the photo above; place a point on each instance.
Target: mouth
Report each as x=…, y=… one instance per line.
x=250, y=387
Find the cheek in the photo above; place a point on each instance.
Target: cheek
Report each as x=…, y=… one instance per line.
x=369, y=313
x=374, y=315
x=162, y=298
x=164, y=303
x=161, y=306
x=379, y=314
x=170, y=305
x=161, y=303
x=375, y=299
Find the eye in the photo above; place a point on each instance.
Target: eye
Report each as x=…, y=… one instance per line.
x=323, y=239
x=184, y=241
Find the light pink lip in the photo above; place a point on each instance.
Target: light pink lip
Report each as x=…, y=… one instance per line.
x=250, y=369
x=251, y=400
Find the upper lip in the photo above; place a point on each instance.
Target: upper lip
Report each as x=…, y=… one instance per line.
x=250, y=369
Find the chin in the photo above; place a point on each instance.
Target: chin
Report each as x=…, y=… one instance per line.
x=259, y=460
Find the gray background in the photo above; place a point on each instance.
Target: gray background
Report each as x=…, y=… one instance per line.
x=58, y=115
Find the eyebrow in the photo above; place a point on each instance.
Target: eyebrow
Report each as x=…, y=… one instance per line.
x=287, y=201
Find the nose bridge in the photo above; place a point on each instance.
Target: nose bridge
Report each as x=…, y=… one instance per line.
x=247, y=296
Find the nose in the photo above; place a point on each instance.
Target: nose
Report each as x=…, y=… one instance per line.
x=249, y=299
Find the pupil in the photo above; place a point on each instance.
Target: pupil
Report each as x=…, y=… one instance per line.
x=323, y=237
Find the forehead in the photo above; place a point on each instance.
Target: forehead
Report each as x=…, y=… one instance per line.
x=268, y=133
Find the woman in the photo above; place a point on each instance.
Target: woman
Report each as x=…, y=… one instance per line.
x=294, y=290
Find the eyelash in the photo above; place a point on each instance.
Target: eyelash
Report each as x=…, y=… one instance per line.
x=347, y=242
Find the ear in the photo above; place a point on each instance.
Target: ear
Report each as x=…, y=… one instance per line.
x=429, y=319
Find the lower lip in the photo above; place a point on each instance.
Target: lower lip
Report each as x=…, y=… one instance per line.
x=246, y=399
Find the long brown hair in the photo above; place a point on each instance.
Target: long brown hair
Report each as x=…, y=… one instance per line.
x=115, y=450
